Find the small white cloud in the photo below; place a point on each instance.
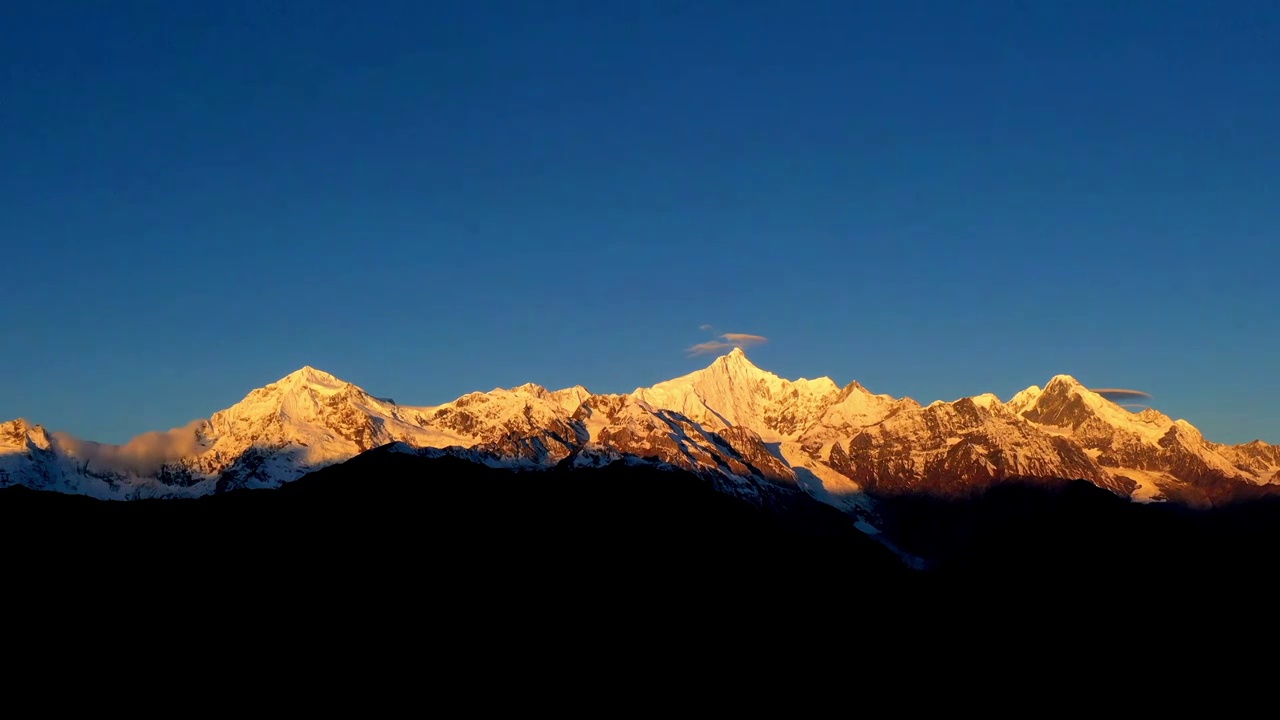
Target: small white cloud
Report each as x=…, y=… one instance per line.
x=728, y=341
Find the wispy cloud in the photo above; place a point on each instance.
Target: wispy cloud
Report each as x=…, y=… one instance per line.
x=143, y=455
x=727, y=341
x=1118, y=394
x=709, y=347
x=705, y=327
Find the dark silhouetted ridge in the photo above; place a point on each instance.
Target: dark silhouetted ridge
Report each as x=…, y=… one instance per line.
x=396, y=528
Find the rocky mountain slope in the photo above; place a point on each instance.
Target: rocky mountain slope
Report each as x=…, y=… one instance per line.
x=749, y=432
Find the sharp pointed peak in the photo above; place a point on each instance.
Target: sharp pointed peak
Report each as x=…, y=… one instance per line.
x=309, y=377
x=852, y=388
x=734, y=358
x=734, y=355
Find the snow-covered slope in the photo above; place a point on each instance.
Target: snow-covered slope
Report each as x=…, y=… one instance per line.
x=306, y=420
x=732, y=391
x=747, y=430
x=954, y=448
x=29, y=456
x=1162, y=455
x=735, y=457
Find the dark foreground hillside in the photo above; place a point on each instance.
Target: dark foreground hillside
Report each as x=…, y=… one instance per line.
x=390, y=537
x=390, y=528
x=1075, y=538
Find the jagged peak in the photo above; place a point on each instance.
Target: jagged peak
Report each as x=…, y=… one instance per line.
x=533, y=389
x=855, y=386
x=24, y=425
x=570, y=396
x=736, y=364
x=21, y=430
x=728, y=366
x=528, y=388
x=735, y=358
x=819, y=384
x=1151, y=415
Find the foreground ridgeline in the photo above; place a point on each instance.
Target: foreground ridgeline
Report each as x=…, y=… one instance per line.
x=626, y=541
x=744, y=430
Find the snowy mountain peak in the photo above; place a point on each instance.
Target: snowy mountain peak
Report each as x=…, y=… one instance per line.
x=739, y=367
x=986, y=401
x=567, y=399
x=1022, y=401
x=1151, y=415
x=735, y=360
x=1065, y=402
x=731, y=419
x=1188, y=428
x=732, y=391
x=1063, y=381
x=18, y=434
x=309, y=377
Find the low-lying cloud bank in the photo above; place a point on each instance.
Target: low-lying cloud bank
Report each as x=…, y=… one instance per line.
x=143, y=455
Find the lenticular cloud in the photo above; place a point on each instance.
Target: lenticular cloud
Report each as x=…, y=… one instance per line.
x=728, y=341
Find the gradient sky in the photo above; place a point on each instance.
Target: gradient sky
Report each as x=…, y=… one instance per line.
x=428, y=198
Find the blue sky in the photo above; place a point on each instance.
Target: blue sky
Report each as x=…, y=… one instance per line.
x=935, y=199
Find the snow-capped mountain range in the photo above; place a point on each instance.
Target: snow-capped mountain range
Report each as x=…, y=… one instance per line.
x=743, y=428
